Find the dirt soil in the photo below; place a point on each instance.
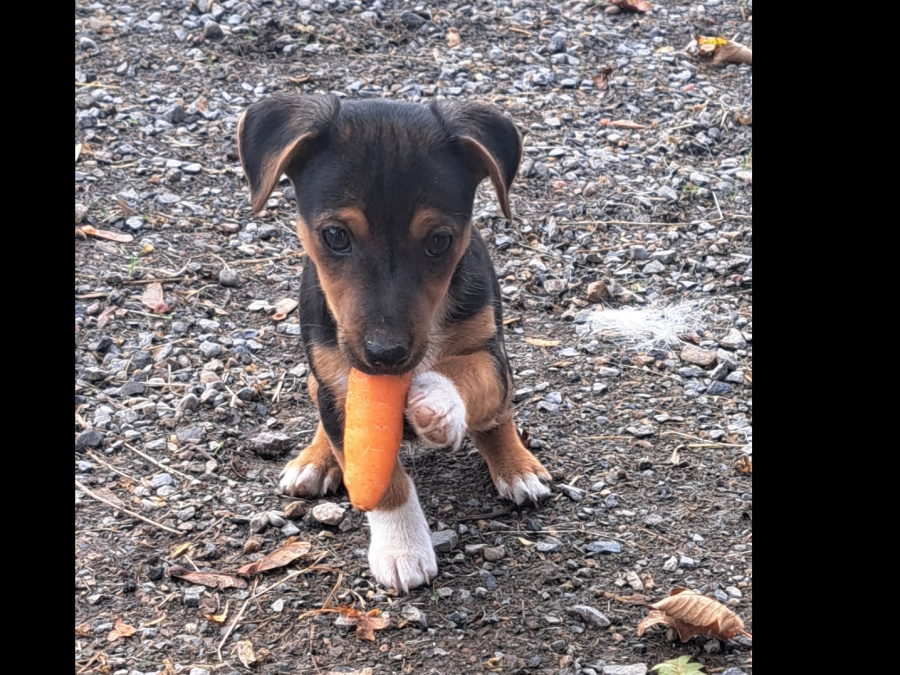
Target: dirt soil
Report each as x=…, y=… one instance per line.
x=637, y=175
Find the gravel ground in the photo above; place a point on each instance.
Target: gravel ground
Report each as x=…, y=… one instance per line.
x=186, y=415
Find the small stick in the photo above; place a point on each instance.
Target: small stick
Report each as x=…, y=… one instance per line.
x=153, y=461
x=141, y=282
x=703, y=440
x=112, y=468
x=278, y=388
x=718, y=208
x=124, y=510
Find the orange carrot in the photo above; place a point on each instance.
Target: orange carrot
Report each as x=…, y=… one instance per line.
x=373, y=430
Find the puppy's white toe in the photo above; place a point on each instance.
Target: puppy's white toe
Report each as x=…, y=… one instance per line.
x=436, y=411
x=306, y=480
x=401, y=554
x=525, y=487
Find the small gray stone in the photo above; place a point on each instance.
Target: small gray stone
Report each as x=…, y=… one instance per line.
x=192, y=168
x=90, y=438
x=606, y=371
x=290, y=530
x=411, y=20
x=733, y=340
x=213, y=31
x=186, y=513
x=654, y=267
x=192, y=595
x=522, y=394
x=688, y=563
x=712, y=646
x=549, y=544
x=229, y=278
x=736, y=377
x=259, y=522
x=641, y=431
x=733, y=671
x=671, y=564
x=554, y=285
x=444, y=541
x=474, y=549
x=639, y=253
x=267, y=231
x=665, y=257
x=720, y=372
x=199, y=671
x=718, y=388
x=700, y=357
x=131, y=388
x=635, y=669
x=494, y=553
x=415, y=617
x=573, y=493
x=328, y=513
x=603, y=546
x=270, y=444
x=734, y=592
x=211, y=349
x=668, y=193
x=189, y=402
x=699, y=178
x=193, y=434
x=161, y=479
x=590, y=615
x=134, y=223
x=275, y=520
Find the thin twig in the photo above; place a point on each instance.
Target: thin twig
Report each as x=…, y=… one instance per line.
x=703, y=440
x=153, y=461
x=140, y=282
x=111, y=467
x=90, y=493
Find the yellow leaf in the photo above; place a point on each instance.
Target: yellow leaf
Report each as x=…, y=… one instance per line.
x=146, y=248
x=711, y=41
x=218, y=618
x=180, y=549
x=525, y=542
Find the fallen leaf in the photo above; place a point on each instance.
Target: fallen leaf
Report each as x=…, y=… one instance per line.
x=120, y=630
x=721, y=50
x=106, y=234
x=693, y=614
x=147, y=248
x=104, y=317
x=209, y=579
x=680, y=666
x=218, y=618
x=633, y=5
x=744, y=464
x=283, y=556
x=452, y=37
x=180, y=549
x=627, y=124
x=282, y=308
x=647, y=580
x=84, y=630
x=168, y=667
x=601, y=79
x=245, y=653
x=125, y=208
x=252, y=545
x=537, y=342
x=525, y=542
x=201, y=104
x=153, y=298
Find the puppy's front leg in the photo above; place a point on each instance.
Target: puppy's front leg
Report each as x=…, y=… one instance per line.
x=469, y=393
x=401, y=554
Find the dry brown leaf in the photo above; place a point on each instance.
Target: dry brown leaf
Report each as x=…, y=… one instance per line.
x=245, y=653
x=219, y=618
x=152, y=298
x=179, y=550
x=744, y=464
x=120, y=630
x=627, y=124
x=252, y=545
x=201, y=105
x=168, y=667
x=283, y=556
x=537, y=342
x=452, y=37
x=84, y=630
x=125, y=208
x=633, y=5
x=721, y=50
x=693, y=614
x=282, y=308
x=601, y=79
x=209, y=579
x=106, y=234
x=104, y=317
x=647, y=580
x=366, y=622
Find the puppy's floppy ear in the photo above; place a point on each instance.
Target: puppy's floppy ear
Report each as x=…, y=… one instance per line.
x=490, y=142
x=277, y=132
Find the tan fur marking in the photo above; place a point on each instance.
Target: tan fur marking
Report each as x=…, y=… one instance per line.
x=422, y=223
x=506, y=457
x=331, y=371
x=355, y=220
x=475, y=378
x=312, y=387
x=398, y=491
x=470, y=335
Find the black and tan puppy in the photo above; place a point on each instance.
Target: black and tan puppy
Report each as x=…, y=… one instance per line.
x=397, y=280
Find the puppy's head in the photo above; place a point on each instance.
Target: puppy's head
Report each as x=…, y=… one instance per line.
x=384, y=194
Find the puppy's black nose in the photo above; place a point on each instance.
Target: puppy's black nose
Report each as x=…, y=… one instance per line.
x=386, y=352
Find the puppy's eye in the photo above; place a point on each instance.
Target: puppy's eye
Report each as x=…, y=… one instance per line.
x=438, y=244
x=337, y=239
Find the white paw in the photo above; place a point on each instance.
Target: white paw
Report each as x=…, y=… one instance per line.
x=401, y=554
x=306, y=480
x=436, y=411
x=522, y=488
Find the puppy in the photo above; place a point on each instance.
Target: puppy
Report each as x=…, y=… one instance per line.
x=396, y=280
